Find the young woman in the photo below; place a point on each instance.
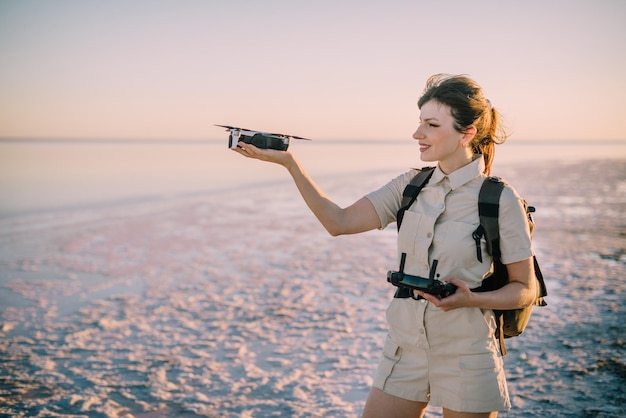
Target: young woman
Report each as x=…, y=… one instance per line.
x=439, y=351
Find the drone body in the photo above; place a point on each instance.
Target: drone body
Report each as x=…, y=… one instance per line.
x=258, y=139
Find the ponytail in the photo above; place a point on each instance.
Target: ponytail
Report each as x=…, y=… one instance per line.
x=495, y=135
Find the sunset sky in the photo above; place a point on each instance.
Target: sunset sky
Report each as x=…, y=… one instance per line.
x=325, y=69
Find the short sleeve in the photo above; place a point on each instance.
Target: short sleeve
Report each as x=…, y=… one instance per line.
x=515, y=242
x=387, y=199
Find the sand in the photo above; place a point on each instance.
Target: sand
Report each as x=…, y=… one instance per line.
x=239, y=304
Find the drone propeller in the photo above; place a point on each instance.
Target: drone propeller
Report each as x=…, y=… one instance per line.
x=274, y=134
x=234, y=127
x=291, y=136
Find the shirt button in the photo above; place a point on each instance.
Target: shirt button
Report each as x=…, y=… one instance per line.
x=440, y=206
x=429, y=235
x=421, y=331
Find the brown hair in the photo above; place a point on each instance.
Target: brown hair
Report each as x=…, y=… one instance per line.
x=469, y=107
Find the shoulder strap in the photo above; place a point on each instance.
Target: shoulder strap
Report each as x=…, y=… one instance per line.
x=412, y=190
x=543, y=290
x=488, y=211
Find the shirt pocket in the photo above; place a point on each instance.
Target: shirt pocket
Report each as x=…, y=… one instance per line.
x=457, y=246
x=409, y=232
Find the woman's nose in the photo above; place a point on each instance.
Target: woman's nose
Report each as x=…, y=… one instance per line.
x=417, y=134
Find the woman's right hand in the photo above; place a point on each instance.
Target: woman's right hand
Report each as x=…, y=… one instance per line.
x=283, y=158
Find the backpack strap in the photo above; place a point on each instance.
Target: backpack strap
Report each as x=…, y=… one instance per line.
x=488, y=212
x=412, y=190
x=409, y=195
x=543, y=290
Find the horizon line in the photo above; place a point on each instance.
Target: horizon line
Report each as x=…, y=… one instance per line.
x=95, y=140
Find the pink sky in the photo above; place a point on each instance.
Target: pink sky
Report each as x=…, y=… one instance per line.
x=321, y=69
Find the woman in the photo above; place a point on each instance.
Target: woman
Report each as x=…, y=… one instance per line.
x=439, y=351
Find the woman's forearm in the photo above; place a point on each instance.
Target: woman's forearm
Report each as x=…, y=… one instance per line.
x=514, y=295
x=327, y=212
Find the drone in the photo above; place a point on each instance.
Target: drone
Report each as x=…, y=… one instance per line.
x=258, y=139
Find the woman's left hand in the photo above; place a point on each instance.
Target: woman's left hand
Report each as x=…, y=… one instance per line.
x=461, y=298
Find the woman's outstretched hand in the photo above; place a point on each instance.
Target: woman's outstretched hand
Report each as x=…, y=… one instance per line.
x=270, y=155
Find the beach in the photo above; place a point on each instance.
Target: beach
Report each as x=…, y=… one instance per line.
x=229, y=299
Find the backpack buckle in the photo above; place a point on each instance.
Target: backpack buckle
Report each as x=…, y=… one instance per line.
x=477, y=235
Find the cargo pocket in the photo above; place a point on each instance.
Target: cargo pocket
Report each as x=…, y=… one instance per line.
x=483, y=378
x=391, y=356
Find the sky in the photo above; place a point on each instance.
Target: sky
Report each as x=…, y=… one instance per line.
x=324, y=69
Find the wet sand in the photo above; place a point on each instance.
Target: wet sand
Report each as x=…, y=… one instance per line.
x=239, y=304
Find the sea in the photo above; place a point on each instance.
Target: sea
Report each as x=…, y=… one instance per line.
x=50, y=174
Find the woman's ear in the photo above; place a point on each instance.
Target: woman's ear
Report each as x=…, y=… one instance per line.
x=468, y=134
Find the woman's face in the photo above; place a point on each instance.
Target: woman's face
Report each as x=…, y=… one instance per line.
x=438, y=139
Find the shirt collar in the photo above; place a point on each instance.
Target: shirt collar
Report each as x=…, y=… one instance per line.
x=462, y=175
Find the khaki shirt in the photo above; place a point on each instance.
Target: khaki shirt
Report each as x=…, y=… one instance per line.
x=439, y=225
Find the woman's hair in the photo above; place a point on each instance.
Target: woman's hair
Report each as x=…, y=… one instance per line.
x=469, y=107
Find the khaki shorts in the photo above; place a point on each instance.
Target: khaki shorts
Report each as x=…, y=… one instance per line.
x=449, y=359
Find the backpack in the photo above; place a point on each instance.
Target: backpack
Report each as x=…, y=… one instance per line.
x=509, y=323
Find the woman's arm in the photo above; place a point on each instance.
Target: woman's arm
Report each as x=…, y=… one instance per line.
x=358, y=217
x=519, y=292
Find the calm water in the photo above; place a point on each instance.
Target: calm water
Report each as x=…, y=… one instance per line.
x=40, y=175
